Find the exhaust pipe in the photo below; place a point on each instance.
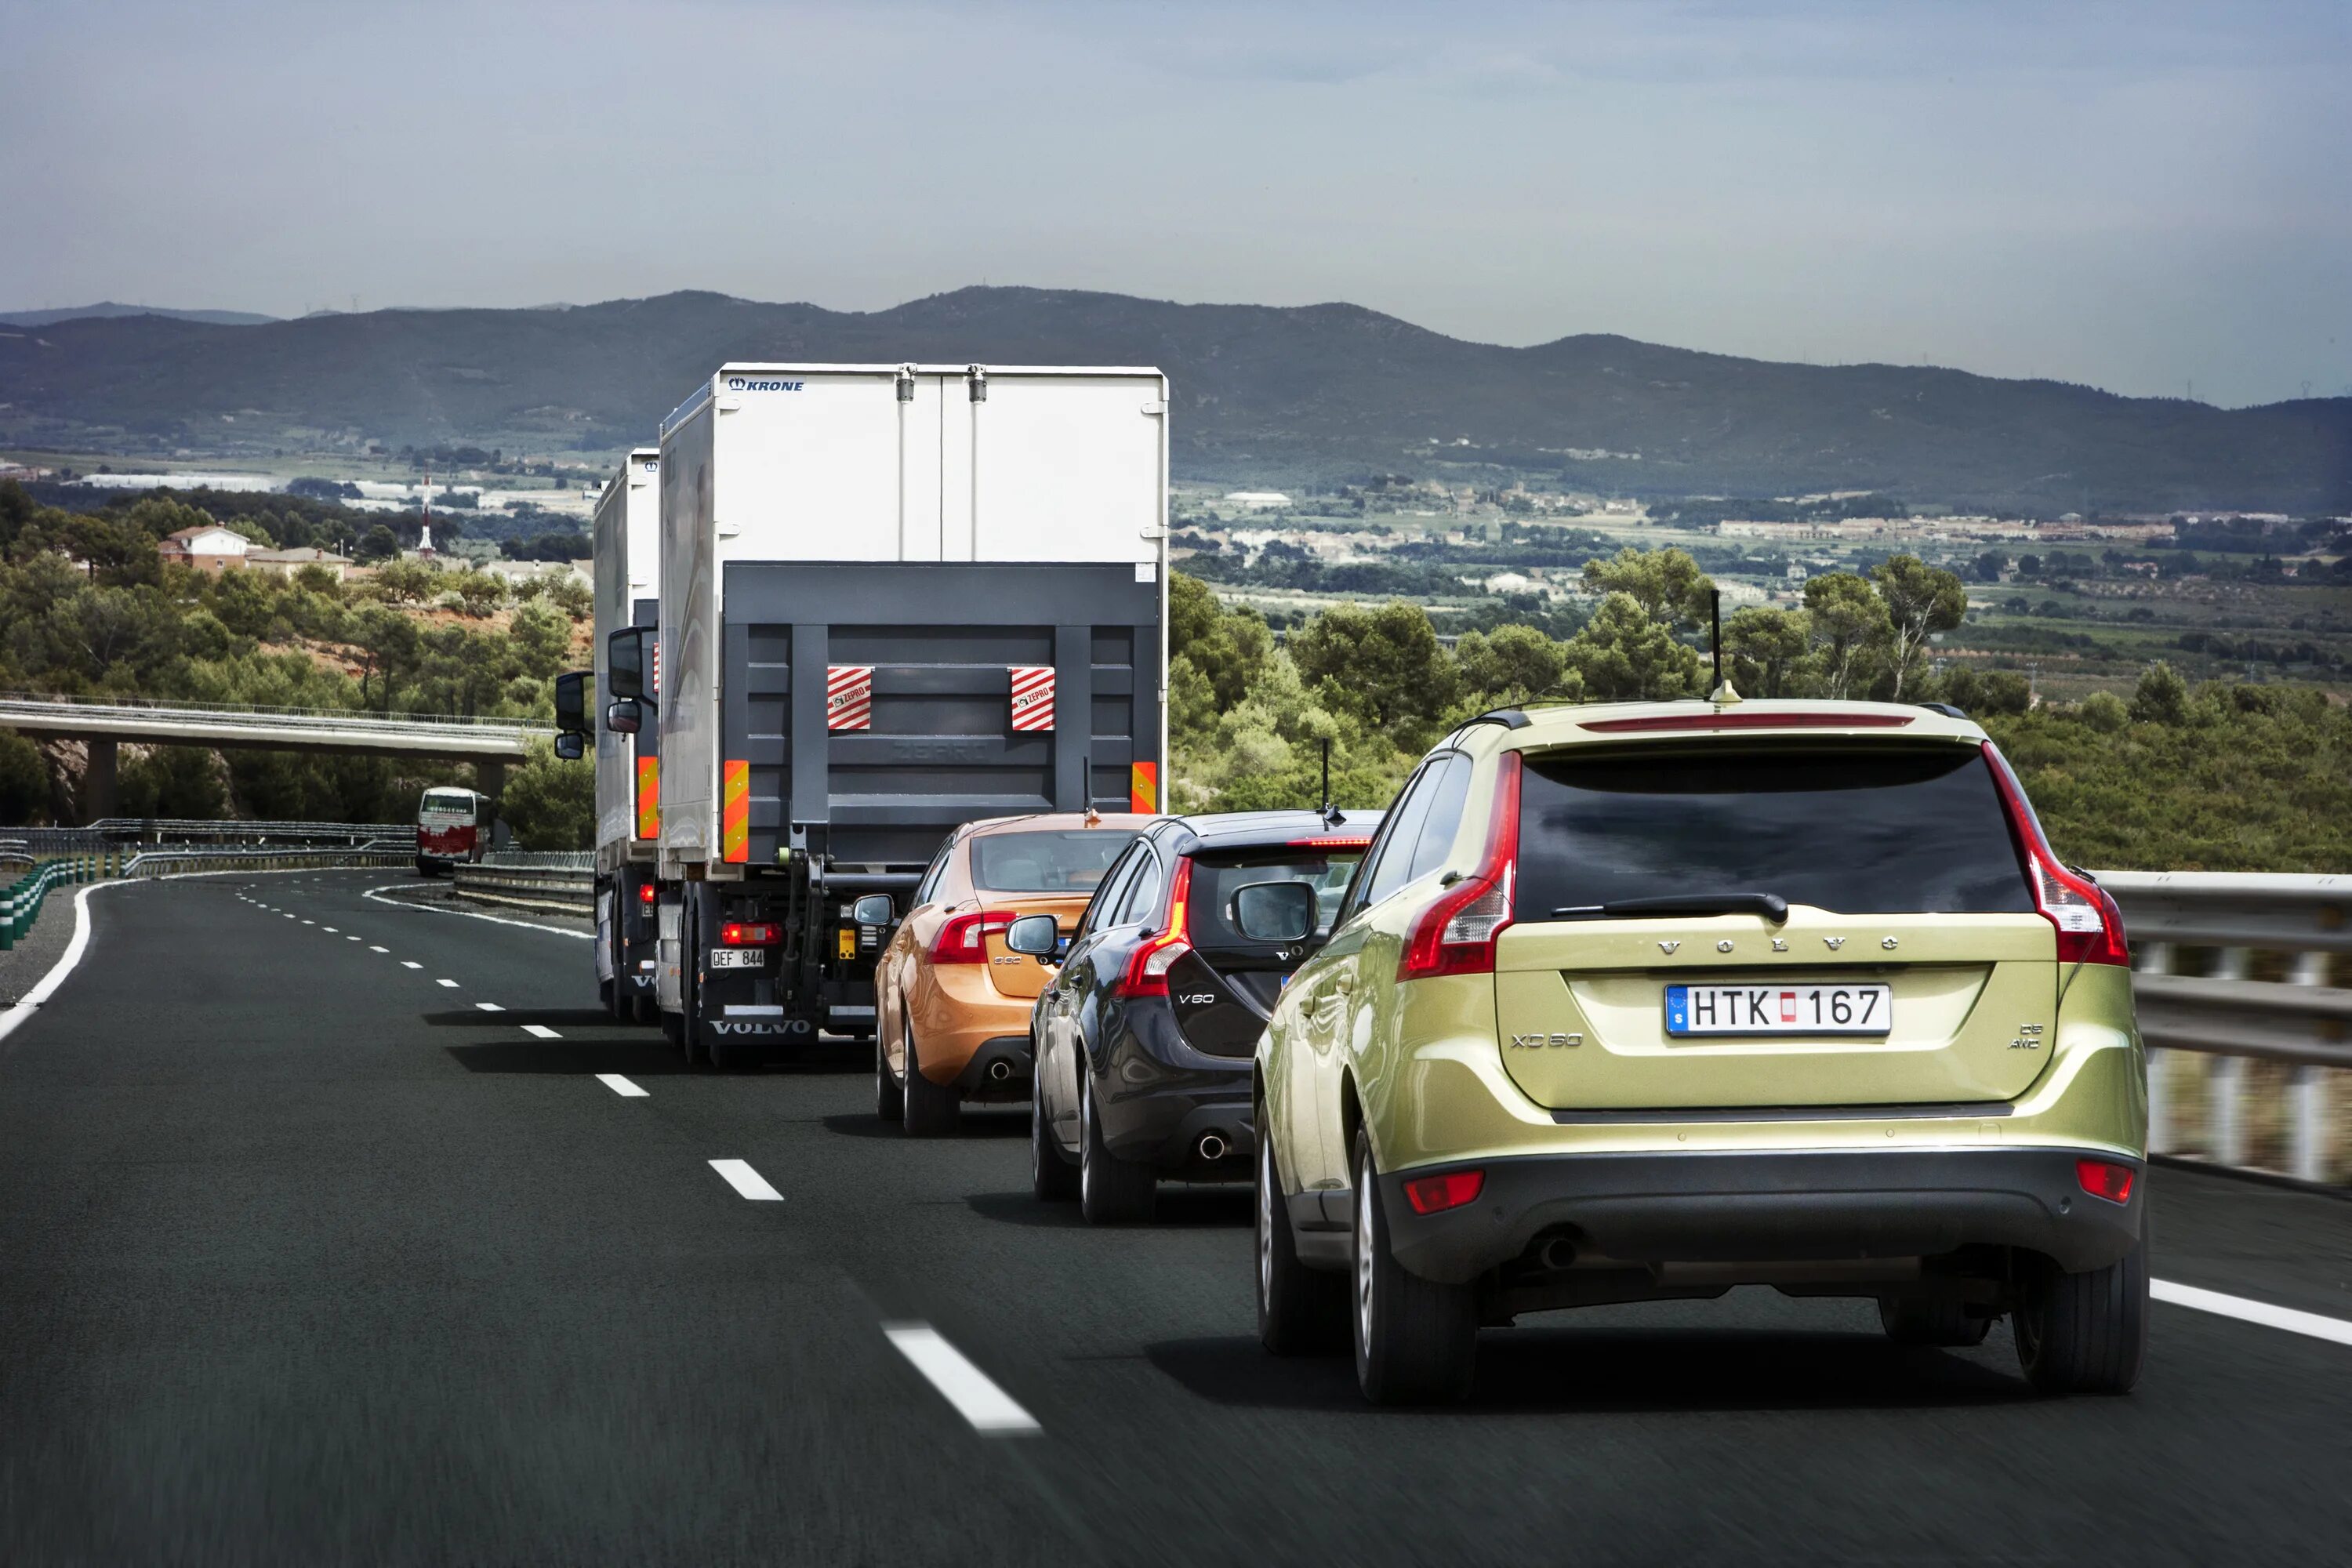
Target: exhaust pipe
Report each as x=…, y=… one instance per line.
x=1000, y=1071
x=1212, y=1146
x=1560, y=1252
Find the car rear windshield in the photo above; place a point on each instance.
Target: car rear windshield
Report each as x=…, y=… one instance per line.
x=1070, y=862
x=1217, y=877
x=1884, y=830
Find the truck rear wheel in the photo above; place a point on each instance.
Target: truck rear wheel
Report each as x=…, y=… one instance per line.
x=932, y=1111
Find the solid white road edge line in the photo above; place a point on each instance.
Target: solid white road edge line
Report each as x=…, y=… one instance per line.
x=44, y=988
x=469, y=914
x=540, y=1031
x=747, y=1181
x=620, y=1085
x=973, y=1393
x=2262, y=1313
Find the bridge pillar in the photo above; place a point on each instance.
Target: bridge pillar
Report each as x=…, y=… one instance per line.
x=97, y=780
x=490, y=777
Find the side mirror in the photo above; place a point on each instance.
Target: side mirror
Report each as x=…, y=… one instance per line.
x=1275, y=911
x=1036, y=935
x=572, y=702
x=571, y=745
x=873, y=910
x=624, y=663
x=624, y=717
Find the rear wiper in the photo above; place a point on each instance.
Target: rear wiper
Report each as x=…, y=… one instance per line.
x=1772, y=906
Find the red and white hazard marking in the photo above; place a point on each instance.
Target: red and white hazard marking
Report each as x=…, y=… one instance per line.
x=1033, y=697
x=849, y=697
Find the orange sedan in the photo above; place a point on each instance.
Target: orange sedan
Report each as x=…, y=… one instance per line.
x=951, y=1001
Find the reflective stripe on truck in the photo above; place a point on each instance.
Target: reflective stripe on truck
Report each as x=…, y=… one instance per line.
x=649, y=797
x=848, y=696
x=735, y=813
x=1143, y=787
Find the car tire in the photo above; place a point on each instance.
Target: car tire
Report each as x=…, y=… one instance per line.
x=1111, y=1191
x=642, y=1007
x=2086, y=1333
x=931, y=1110
x=1052, y=1178
x=1416, y=1340
x=889, y=1104
x=1300, y=1311
x=689, y=1015
x=1945, y=1324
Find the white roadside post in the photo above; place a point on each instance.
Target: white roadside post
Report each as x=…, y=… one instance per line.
x=2156, y=958
x=2308, y=1090
x=2225, y=1080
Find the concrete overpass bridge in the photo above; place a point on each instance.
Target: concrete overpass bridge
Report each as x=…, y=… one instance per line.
x=104, y=723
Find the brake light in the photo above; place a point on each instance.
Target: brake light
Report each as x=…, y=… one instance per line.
x=749, y=933
x=646, y=894
x=964, y=938
x=1749, y=719
x=2090, y=925
x=2104, y=1179
x=1345, y=841
x=1456, y=934
x=1435, y=1194
x=1147, y=971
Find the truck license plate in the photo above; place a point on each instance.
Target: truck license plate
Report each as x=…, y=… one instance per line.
x=1802, y=1007
x=737, y=958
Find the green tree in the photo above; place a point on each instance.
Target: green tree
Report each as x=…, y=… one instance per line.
x=1850, y=626
x=1624, y=655
x=1226, y=648
x=479, y=592
x=1385, y=665
x=1667, y=583
x=379, y=543
x=404, y=583
x=550, y=804
x=2161, y=697
x=1767, y=652
x=1511, y=666
x=24, y=774
x=572, y=595
x=1921, y=600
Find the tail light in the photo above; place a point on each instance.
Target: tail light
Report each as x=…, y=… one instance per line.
x=2104, y=1179
x=2090, y=926
x=1456, y=934
x=964, y=938
x=1435, y=1195
x=749, y=933
x=1147, y=971
x=646, y=894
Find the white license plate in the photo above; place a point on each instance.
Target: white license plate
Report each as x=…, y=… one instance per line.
x=737, y=958
x=1802, y=1007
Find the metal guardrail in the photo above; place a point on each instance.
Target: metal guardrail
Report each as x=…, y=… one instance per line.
x=2229, y=1019
x=557, y=882
x=20, y=903
x=189, y=861
x=258, y=711
x=109, y=831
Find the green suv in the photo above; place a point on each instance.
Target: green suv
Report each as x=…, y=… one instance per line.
x=1642, y=1002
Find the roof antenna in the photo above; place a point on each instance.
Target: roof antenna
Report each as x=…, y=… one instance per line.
x=1723, y=696
x=1331, y=814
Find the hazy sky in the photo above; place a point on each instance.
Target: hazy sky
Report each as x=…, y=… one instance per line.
x=2134, y=195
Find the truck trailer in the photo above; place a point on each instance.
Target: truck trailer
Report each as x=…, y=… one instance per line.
x=892, y=599
x=628, y=766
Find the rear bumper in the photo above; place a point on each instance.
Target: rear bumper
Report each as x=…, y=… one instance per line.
x=1000, y=1069
x=1159, y=1098
x=1801, y=1206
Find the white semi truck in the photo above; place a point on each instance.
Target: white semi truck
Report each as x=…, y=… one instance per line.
x=892, y=599
x=628, y=767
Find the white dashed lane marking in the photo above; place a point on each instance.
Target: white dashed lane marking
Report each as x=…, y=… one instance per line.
x=620, y=1085
x=972, y=1391
x=747, y=1181
x=450, y=983
x=2262, y=1313
x=490, y=1006
x=540, y=1031
x=410, y=963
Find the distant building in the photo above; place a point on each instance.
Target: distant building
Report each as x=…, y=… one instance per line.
x=207, y=548
x=285, y=562
x=1257, y=500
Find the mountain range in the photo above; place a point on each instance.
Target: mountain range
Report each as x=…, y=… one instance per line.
x=109, y=308
x=1286, y=395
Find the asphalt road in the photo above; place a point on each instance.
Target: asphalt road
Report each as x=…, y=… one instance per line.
x=306, y=1256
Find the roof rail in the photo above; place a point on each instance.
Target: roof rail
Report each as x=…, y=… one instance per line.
x=1508, y=717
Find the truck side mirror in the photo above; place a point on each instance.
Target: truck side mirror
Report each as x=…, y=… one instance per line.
x=571, y=745
x=873, y=910
x=624, y=717
x=624, y=663
x=572, y=702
